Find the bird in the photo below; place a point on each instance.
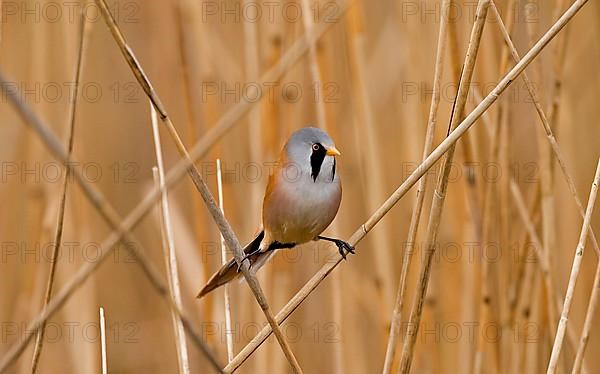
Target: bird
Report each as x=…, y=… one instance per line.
x=301, y=200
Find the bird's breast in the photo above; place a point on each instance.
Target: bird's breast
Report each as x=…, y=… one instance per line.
x=296, y=211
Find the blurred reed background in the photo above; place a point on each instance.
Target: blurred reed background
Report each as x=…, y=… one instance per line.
x=368, y=80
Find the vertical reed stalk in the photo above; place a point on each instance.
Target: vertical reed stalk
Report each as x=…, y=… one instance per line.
x=169, y=249
x=103, y=341
x=421, y=190
x=440, y=191
x=226, y=298
x=58, y=232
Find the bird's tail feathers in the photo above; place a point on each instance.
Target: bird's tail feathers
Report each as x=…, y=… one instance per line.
x=229, y=270
x=226, y=274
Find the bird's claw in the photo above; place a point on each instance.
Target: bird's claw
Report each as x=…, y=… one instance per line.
x=246, y=257
x=344, y=248
x=239, y=266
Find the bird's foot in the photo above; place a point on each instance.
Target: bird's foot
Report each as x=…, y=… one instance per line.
x=239, y=266
x=246, y=257
x=343, y=247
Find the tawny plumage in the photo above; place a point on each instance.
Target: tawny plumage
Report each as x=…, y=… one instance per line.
x=302, y=198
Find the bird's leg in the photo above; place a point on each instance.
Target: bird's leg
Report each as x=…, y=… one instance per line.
x=343, y=247
x=272, y=247
x=252, y=248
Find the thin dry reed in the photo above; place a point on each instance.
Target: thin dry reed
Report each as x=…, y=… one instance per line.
x=169, y=247
x=103, y=342
x=440, y=189
x=224, y=259
x=421, y=189
x=587, y=325
x=578, y=257
x=58, y=233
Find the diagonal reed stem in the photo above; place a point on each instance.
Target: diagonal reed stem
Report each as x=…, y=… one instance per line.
x=564, y=317
x=587, y=325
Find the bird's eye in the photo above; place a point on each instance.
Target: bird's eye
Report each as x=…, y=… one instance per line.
x=316, y=147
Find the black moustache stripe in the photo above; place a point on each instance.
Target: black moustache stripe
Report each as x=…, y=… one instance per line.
x=316, y=161
x=333, y=170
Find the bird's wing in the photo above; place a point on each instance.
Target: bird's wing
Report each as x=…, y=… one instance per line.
x=254, y=245
x=270, y=186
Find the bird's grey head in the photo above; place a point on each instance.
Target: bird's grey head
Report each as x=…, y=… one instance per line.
x=313, y=151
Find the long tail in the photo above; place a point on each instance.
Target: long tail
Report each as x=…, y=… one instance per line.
x=229, y=271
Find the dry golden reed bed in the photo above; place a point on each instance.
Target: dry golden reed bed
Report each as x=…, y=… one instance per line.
x=239, y=77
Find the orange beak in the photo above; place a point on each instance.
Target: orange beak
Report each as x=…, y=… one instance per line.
x=333, y=151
